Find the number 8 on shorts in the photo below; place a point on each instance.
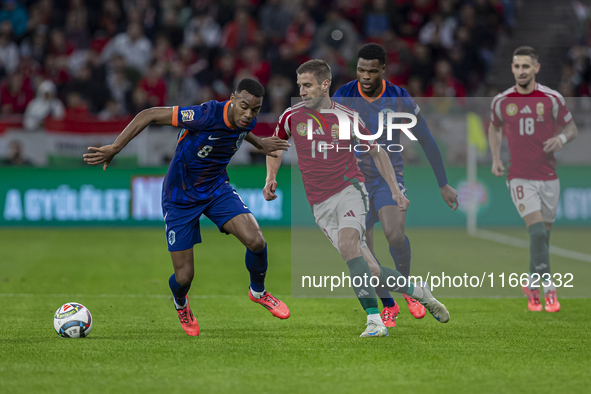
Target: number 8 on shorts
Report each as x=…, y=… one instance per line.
x=530, y=196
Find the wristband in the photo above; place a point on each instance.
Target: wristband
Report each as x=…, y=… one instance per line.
x=562, y=138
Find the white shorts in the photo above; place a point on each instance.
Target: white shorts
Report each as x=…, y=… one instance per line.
x=530, y=196
x=347, y=208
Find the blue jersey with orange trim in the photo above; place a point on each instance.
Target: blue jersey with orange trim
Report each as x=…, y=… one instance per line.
x=206, y=143
x=392, y=99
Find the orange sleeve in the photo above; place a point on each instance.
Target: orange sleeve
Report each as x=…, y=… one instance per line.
x=175, y=116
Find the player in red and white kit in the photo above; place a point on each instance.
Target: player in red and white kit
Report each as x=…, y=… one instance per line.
x=335, y=190
x=530, y=114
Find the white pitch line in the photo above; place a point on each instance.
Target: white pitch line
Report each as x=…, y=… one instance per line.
x=521, y=243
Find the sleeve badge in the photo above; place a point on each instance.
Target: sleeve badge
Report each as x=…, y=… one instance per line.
x=188, y=115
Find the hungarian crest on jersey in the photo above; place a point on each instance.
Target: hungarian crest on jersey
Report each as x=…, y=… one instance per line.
x=302, y=129
x=334, y=131
x=540, y=111
x=511, y=109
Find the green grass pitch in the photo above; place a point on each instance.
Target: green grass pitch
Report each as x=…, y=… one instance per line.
x=137, y=345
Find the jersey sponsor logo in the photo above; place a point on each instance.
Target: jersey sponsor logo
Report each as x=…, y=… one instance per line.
x=302, y=129
x=171, y=237
x=188, y=115
x=211, y=137
x=318, y=131
x=511, y=109
x=526, y=110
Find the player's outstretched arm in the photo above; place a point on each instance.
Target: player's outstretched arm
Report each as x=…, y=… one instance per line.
x=429, y=145
x=273, y=164
x=386, y=170
x=495, y=139
x=269, y=145
x=104, y=154
x=567, y=134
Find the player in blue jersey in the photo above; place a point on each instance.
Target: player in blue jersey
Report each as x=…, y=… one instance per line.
x=372, y=96
x=197, y=183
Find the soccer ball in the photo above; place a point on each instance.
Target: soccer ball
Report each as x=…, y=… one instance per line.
x=72, y=320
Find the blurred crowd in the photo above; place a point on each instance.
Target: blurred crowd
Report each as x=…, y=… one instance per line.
x=575, y=79
x=110, y=58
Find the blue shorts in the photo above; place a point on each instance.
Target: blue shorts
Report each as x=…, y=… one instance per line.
x=182, y=221
x=380, y=196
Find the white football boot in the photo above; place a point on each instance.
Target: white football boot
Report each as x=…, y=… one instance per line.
x=374, y=329
x=435, y=308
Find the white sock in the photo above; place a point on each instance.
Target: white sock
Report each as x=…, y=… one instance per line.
x=257, y=294
x=177, y=306
x=375, y=318
x=417, y=293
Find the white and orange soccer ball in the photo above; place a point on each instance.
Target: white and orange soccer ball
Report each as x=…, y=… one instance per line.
x=72, y=320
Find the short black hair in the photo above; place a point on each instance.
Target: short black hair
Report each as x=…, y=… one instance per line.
x=526, y=51
x=251, y=86
x=372, y=51
x=317, y=67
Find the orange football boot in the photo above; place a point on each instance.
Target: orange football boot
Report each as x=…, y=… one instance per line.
x=533, y=299
x=415, y=308
x=188, y=321
x=552, y=304
x=274, y=305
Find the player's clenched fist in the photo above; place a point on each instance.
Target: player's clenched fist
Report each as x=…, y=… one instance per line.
x=553, y=144
x=497, y=168
x=401, y=200
x=269, y=190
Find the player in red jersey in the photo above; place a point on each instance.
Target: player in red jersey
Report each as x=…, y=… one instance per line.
x=530, y=113
x=335, y=190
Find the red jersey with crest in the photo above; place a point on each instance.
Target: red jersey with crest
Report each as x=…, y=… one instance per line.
x=528, y=120
x=328, y=164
